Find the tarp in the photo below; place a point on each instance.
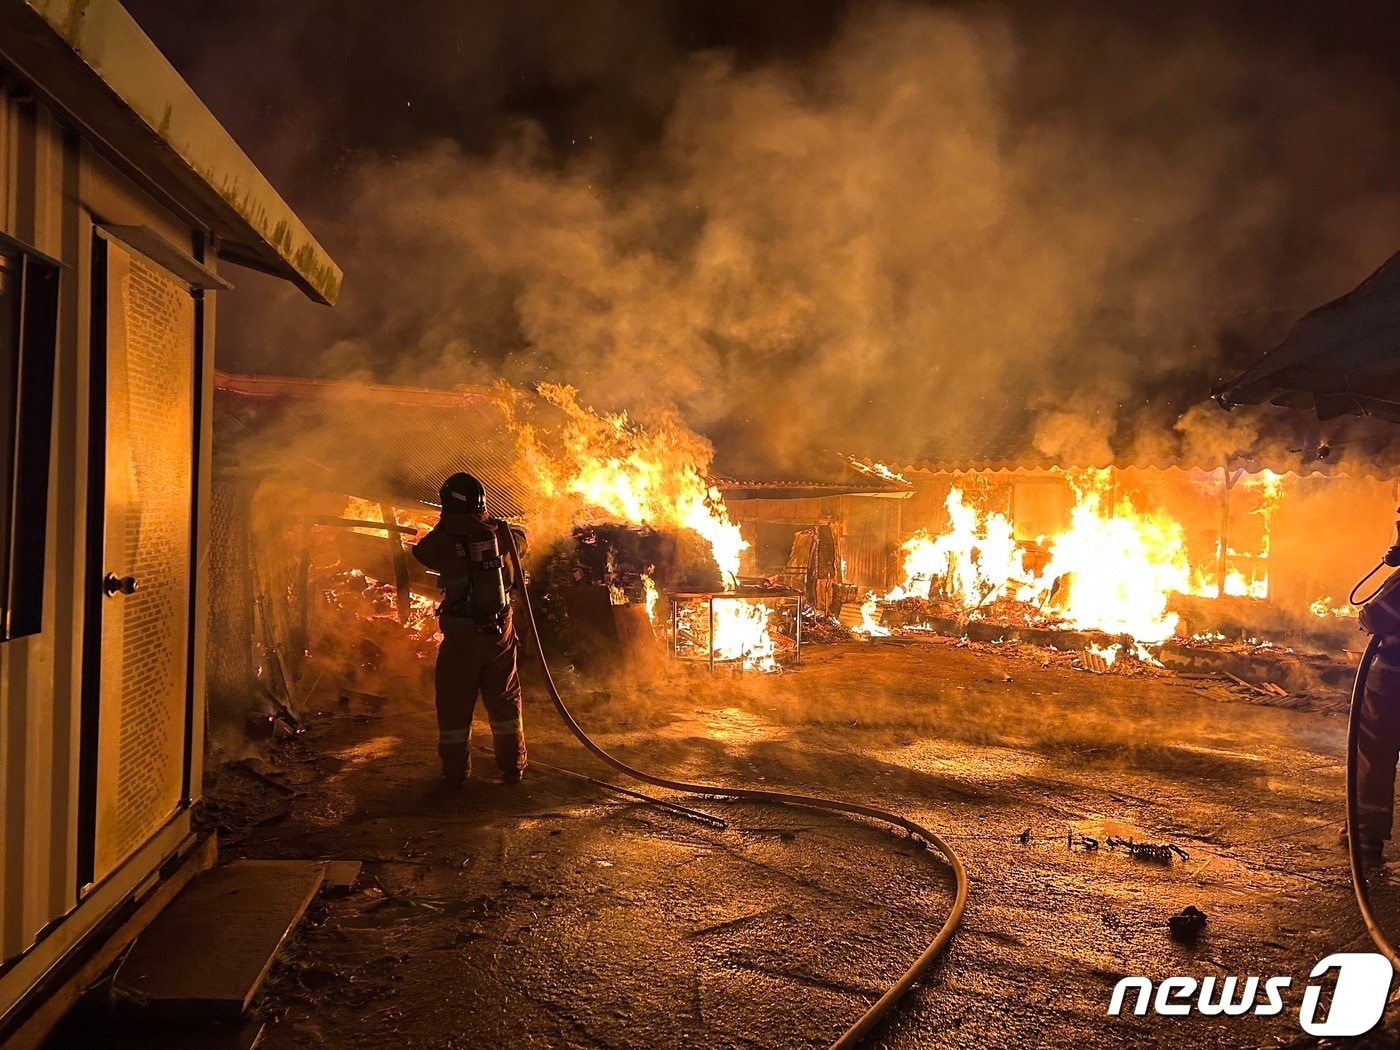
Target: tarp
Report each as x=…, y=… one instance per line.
x=1341, y=359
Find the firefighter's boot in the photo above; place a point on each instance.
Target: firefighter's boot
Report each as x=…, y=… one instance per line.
x=1370, y=848
x=456, y=764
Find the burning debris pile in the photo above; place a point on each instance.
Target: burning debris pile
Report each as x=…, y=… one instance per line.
x=631, y=550
x=629, y=511
x=1116, y=578
x=368, y=611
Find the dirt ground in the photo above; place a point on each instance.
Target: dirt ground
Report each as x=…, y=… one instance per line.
x=556, y=914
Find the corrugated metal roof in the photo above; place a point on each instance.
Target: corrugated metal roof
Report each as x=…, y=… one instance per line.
x=369, y=440
x=736, y=489
x=1337, y=470
x=91, y=61
x=830, y=475
x=1287, y=443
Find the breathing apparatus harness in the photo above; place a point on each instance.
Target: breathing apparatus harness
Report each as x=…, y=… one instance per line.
x=916, y=832
x=477, y=590
x=1358, y=692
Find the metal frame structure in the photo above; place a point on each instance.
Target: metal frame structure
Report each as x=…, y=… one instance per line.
x=772, y=597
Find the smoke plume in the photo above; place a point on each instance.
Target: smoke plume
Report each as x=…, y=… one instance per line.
x=916, y=229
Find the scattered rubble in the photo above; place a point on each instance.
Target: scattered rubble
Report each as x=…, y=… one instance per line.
x=1187, y=924
x=1156, y=852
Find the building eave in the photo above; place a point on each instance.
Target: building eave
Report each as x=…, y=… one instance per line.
x=91, y=61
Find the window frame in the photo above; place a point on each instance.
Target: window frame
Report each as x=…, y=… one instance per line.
x=26, y=416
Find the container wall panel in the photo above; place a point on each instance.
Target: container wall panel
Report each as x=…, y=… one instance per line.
x=39, y=673
x=53, y=189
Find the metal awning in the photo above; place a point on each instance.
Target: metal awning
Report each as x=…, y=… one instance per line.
x=92, y=63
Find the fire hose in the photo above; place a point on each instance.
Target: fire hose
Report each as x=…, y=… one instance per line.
x=1358, y=877
x=876, y=1012
x=1358, y=694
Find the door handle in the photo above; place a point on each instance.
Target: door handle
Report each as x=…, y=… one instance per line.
x=112, y=585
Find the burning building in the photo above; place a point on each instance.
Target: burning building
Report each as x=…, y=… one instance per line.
x=640, y=547
x=634, y=550
x=1137, y=556
x=828, y=534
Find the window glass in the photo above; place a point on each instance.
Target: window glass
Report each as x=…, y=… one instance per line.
x=28, y=327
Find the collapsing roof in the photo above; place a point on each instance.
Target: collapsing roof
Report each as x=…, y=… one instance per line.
x=398, y=443
x=100, y=70
x=832, y=475
x=1341, y=359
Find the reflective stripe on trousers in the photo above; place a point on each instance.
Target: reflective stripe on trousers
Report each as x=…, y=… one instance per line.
x=472, y=663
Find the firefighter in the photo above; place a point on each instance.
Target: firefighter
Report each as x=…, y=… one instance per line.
x=470, y=552
x=1378, y=731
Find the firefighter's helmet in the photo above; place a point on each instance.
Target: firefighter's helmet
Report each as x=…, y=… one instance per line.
x=464, y=494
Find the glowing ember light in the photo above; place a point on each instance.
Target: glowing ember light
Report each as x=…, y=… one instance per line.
x=1108, y=653
x=1323, y=607
x=357, y=509
x=652, y=595
x=1267, y=488
x=606, y=467
x=879, y=470
x=741, y=634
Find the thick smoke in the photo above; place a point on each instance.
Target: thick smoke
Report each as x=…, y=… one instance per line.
x=928, y=231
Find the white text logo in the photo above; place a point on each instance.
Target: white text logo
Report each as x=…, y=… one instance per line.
x=1358, y=995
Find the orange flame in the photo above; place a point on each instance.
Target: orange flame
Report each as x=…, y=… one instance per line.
x=606, y=467
x=1112, y=569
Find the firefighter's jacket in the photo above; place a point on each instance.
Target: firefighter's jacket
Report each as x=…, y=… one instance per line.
x=440, y=551
x=1381, y=616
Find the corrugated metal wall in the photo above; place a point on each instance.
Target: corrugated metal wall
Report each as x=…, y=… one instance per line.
x=869, y=528
x=53, y=186
x=872, y=537
x=39, y=675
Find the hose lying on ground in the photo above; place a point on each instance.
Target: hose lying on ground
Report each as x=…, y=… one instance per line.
x=872, y=1016
x=1358, y=875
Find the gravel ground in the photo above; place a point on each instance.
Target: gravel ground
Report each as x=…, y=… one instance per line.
x=554, y=913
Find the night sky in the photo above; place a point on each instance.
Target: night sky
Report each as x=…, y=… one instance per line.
x=1015, y=217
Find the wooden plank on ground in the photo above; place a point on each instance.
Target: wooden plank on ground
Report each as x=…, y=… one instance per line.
x=206, y=955
x=341, y=876
x=36, y=1027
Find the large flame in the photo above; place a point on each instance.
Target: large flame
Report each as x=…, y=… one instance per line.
x=1119, y=566
x=607, y=467
x=975, y=560
x=1113, y=569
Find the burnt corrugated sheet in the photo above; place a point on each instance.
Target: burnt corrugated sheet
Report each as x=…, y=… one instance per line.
x=369, y=440
x=1282, y=443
